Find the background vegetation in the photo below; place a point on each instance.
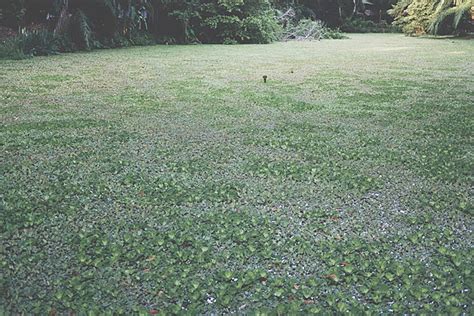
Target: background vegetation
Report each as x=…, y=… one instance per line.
x=433, y=16
x=50, y=26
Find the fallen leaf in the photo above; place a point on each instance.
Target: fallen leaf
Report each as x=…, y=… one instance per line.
x=331, y=276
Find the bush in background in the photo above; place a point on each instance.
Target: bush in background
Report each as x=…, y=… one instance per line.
x=261, y=29
x=36, y=43
x=358, y=25
x=40, y=43
x=10, y=49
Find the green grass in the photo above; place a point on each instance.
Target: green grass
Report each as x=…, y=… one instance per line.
x=172, y=179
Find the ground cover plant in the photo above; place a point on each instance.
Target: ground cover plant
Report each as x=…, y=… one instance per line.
x=172, y=179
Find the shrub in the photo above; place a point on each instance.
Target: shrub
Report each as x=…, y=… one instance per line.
x=229, y=41
x=36, y=43
x=10, y=49
x=141, y=39
x=115, y=41
x=167, y=40
x=329, y=33
x=261, y=29
x=358, y=25
x=65, y=44
x=255, y=29
x=40, y=43
x=220, y=27
x=81, y=31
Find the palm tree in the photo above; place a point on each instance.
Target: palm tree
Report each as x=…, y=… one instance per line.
x=458, y=9
x=431, y=16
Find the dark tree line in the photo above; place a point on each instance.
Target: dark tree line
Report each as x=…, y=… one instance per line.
x=207, y=21
x=68, y=25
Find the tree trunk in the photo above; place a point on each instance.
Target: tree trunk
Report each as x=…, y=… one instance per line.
x=63, y=18
x=185, y=31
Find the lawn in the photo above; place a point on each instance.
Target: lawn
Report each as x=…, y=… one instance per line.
x=167, y=179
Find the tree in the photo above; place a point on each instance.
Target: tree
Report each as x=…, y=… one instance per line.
x=432, y=16
x=13, y=13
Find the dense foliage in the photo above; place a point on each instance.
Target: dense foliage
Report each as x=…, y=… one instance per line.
x=86, y=24
x=359, y=25
x=433, y=16
x=337, y=12
x=92, y=24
